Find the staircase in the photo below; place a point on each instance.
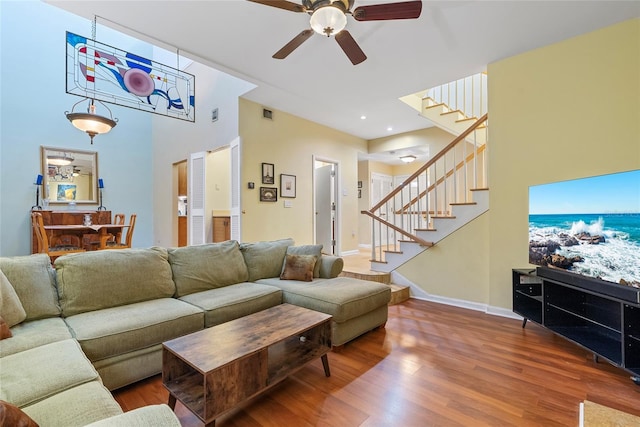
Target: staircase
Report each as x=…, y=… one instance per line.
x=449, y=190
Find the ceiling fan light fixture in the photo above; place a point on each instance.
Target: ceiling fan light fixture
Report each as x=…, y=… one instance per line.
x=63, y=159
x=408, y=159
x=328, y=20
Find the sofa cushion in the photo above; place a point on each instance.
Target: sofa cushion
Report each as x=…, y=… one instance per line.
x=104, y=279
x=53, y=367
x=152, y=415
x=76, y=407
x=122, y=329
x=264, y=259
x=33, y=334
x=203, y=267
x=298, y=267
x=5, y=332
x=330, y=266
x=315, y=250
x=343, y=297
x=11, y=309
x=11, y=415
x=234, y=301
x=33, y=280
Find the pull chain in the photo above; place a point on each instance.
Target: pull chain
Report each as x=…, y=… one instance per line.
x=93, y=27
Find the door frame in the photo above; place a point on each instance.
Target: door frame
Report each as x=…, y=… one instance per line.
x=337, y=185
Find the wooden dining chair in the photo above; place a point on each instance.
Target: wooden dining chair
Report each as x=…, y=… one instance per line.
x=43, y=240
x=129, y=236
x=117, y=239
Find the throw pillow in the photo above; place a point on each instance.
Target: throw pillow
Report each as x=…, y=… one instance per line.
x=298, y=267
x=11, y=309
x=11, y=415
x=264, y=259
x=315, y=250
x=5, y=332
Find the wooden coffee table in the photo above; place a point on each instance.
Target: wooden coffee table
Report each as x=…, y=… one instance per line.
x=213, y=370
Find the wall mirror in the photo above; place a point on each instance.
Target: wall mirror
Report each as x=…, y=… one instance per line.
x=69, y=175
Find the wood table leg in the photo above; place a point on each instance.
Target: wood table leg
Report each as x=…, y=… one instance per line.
x=172, y=402
x=325, y=365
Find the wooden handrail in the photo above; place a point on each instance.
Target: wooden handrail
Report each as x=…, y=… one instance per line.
x=457, y=167
x=398, y=229
x=424, y=167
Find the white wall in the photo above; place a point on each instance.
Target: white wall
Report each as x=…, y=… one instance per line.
x=174, y=140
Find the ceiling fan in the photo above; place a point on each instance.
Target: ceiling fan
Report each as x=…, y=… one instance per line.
x=329, y=17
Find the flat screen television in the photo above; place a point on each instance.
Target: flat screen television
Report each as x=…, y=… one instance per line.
x=588, y=226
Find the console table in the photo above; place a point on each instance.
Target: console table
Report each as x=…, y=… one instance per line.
x=90, y=241
x=603, y=318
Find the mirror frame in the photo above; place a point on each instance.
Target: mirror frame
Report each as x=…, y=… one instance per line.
x=93, y=165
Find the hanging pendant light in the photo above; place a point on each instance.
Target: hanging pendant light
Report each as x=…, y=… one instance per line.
x=90, y=122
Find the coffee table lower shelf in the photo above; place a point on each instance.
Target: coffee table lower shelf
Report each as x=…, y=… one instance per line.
x=214, y=370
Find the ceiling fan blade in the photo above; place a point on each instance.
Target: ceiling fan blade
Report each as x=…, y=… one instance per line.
x=382, y=12
x=350, y=47
x=282, y=4
x=293, y=44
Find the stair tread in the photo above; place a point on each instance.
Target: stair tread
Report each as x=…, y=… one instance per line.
x=392, y=252
x=451, y=112
x=425, y=229
x=463, y=203
x=479, y=189
x=443, y=217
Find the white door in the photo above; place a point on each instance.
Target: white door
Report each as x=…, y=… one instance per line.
x=197, y=175
x=325, y=207
x=236, y=217
x=381, y=185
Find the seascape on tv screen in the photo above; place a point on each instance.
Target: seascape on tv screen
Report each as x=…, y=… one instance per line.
x=604, y=243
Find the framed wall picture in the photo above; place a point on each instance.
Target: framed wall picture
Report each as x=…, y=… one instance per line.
x=287, y=185
x=268, y=194
x=268, y=173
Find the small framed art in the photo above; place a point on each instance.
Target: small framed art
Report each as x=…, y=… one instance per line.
x=287, y=185
x=268, y=173
x=268, y=194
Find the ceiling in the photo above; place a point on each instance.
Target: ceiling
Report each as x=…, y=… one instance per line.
x=450, y=40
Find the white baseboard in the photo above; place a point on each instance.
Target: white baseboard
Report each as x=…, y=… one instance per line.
x=364, y=245
x=347, y=253
x=421, y=294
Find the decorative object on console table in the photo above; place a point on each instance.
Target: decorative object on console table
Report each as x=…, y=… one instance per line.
x=38, y=183
x=101, y=187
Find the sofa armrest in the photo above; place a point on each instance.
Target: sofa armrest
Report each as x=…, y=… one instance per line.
x=330, y=266
x=153, y=415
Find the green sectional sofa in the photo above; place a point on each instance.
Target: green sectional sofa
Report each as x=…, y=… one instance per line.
x=96, y=321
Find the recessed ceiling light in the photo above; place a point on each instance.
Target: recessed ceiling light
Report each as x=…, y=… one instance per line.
x=363, y=117
x=389, y=128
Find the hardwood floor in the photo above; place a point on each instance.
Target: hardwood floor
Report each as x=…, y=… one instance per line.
x=433, y=365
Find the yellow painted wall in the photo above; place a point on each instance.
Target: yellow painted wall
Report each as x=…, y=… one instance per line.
x=564, y=111
x=218, y=187
x=457, y=267
x=290, y=143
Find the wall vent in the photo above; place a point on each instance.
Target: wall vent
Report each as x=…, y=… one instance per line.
x=267, y=114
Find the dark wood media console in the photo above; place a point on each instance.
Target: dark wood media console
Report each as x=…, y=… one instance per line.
x=601, y=317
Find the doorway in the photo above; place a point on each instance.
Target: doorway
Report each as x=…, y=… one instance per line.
x=182, y=202
x=381, y=186
x=326, y=205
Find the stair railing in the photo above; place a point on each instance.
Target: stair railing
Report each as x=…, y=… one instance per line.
x=468, y=95
x=429, y=192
